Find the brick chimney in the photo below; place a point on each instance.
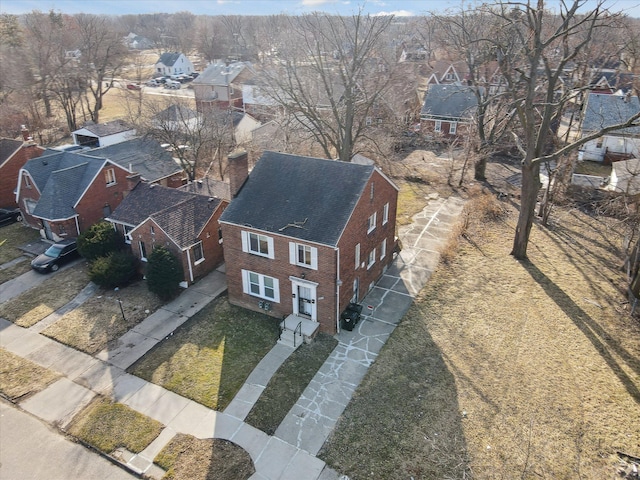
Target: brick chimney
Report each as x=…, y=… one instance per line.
x=238, y=170
x=132, y=181
x=25, y=133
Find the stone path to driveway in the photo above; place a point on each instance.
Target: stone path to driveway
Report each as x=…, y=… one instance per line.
x=290, y=453
x=313, y=417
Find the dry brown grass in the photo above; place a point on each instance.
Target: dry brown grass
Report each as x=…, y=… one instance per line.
x=189, y=458
x=33, y=305
x=20, y=378
x=98, y=321
x=12, y=236
x=505, y=369
x=14, y=271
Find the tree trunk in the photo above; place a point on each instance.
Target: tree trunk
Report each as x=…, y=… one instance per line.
x=480, y=168
x=529, y=194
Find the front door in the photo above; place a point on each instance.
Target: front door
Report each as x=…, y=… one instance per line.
x=304, y=298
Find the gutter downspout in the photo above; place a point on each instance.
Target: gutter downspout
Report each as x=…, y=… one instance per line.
x=190, y=269
x=338, y=283
x=77, y=225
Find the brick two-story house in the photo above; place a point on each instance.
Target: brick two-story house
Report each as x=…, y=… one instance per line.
x=306, y=236
x=185, y=223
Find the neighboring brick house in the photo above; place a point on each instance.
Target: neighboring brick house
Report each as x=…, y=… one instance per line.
x=448, y=110
x=307, y=236
x=64, y=193
x=185, y=223
x=173, y=63
x=13, y=155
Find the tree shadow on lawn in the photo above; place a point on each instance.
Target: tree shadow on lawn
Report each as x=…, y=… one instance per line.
x=404, y=420
x=592, y=330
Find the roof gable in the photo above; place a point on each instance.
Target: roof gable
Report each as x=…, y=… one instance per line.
x=604, y=110
x=449, y=101
x=285, y=190
x=8, y=148
x=169, y=58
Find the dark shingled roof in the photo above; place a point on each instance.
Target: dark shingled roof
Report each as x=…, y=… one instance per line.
x=7, y=148
x=210, y=187
x=62, y=178
x=605, y=110
x=284, y=189
x=169, y=58
x=449, y=102
x=181, y=214
x=140, y=155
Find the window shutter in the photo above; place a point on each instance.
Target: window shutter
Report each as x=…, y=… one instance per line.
x=245, y=241
x=314, y=258
x=245, y=280
x=293, y=252
x=270, y=244
x=276, y=290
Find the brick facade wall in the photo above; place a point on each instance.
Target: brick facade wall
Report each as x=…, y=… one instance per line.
x=326, y=275
x=9, y=173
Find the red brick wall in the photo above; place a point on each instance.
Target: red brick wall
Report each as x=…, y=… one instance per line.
x=356, y=232
x=325, y=276
x=9, y=173
x=212, y=249
x=280, y=268
x=91, y=206
x=428, y=126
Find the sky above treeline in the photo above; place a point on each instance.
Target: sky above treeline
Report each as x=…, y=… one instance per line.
x=267, y=7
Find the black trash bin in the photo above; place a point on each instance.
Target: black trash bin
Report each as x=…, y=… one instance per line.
x=351, y=316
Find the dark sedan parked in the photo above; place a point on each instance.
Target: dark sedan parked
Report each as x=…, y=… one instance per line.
x=10, y=215
x=55, y=256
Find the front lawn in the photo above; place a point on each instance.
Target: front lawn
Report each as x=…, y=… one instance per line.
x=107, y=426
x=30, y=307
x=20, y=377
x=99, y=320
x=188, y=458
x=211, y=355
x=11, y=237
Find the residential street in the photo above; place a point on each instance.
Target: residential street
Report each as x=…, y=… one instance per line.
x=40, y=452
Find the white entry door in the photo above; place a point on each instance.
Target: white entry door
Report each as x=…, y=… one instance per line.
x=304, y=299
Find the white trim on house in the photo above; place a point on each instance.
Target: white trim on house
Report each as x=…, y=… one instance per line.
x=252, y=280
x=309, y=255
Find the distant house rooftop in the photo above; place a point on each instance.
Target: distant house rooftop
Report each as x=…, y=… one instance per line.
x=604, y=110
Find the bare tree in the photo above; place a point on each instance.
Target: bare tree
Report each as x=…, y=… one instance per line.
x=334, y=73
x=534, y=47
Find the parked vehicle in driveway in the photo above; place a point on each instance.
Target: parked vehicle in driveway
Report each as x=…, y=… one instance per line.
x=153, y=83
x=172, y=84
x=10, y=215
x=55, y=256
x=133, y=86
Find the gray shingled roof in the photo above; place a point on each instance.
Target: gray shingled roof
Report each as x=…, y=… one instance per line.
x=210, y=187
x=61, y=178
x=220, y=74
x=141, y=155
x=7, y=148
x=169, y=58
x=605, y=110
x=181, y=214
x=285, y=189
x=106, y=129
x=449, y=102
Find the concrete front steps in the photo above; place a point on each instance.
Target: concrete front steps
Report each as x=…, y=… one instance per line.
x=295, y=330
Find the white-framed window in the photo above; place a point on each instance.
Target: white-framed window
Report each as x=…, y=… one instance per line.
x=127, y=234
x=383, y=249
x=152, y=230
x=29, y=205
x=110, y=176
x=385, y=214
x=453, y=127
x=598, y=144
x=198, y=253
x=372, y=258
x=371, y=222
x=27, y=180
x=143, y=251
x=303, y=255
x=357, y=256
x=257, y=244
x=262, y=286
x=438, y=126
